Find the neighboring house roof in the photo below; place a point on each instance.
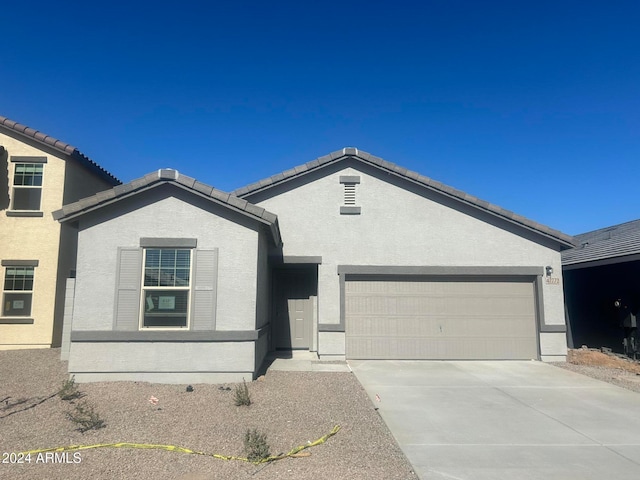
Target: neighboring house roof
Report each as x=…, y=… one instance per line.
x=164, y=176
x=606, y=245
x=566, y=241
x=64, y=148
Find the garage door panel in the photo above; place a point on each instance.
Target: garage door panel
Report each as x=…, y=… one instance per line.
x=439, y=349
x=431, y=319
x=440, y=326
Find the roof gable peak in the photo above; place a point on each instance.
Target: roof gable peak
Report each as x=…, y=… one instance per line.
x=162, y=176
x=566, y=241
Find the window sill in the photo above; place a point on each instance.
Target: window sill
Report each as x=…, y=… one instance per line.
x=24, y=213
x=16, y=321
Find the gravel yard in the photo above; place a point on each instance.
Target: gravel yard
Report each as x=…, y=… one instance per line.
x=292, y=408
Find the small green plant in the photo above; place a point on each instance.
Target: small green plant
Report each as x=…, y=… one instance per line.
x=255, y=445
x=241, y=394
x=69, y=390
x=85, y=416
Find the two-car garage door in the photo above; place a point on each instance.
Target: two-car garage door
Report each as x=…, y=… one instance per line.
x=440, y=318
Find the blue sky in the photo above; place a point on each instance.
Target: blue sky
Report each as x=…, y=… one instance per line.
x=534, y=106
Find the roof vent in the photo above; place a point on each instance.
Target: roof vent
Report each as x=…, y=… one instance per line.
x=350, y=151
x=168, y=173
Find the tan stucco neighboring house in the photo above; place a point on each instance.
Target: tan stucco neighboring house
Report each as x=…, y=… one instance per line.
x=38, y=174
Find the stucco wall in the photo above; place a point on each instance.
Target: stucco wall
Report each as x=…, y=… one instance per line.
x=154, y=214
x=65, y=341
x=33, y=238
x=43, y=239
x=165, y=212
x=162, y=362
x=397, y=227
x=263, y=282
x=80, y=182
x=261, y=349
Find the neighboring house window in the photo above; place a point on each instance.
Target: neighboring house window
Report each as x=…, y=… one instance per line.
x=27, y=186
x=166, y=288
x=17, y=291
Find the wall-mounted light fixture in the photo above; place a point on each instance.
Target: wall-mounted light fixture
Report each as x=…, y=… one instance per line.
x=549, y=270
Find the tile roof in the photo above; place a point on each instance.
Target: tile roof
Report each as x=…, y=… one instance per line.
x=74, y=210
x=565, y=240
x=58, y=145
x=605, y=243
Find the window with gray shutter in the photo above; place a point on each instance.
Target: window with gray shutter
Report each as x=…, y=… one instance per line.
x=128, y=278
x=204, y=290
x=201, y=287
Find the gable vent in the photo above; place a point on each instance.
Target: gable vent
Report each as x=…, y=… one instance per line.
x=349, y=193
x=349, y=201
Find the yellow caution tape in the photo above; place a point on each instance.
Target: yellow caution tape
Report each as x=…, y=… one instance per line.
x=174, y=448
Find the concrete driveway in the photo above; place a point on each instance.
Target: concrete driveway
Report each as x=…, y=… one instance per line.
x=505, y=420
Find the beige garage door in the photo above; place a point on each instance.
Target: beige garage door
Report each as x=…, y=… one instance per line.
x=440, y=318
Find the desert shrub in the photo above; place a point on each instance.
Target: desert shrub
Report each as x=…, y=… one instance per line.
x=241, y=395
x=69, y=390
x=85, y=416
x=255, y=445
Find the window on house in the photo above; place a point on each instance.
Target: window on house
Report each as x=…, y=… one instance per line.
x=166, y=288
x=27, y=186
x=17, y=292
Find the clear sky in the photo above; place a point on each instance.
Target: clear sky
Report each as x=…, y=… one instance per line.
x=531, y=105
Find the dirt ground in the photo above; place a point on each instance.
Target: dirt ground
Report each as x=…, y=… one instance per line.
x=592, y=357
x=291, y=408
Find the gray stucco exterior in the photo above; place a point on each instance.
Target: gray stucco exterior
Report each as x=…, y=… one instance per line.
x=338, y=217
x=401, y=225
x=162, y=216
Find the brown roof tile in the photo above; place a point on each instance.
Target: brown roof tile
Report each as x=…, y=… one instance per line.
x=58, y=145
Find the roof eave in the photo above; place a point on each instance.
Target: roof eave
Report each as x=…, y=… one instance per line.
x=600, y=261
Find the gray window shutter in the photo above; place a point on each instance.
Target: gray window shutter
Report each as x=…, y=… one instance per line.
x=203, y=316
x=128, y=278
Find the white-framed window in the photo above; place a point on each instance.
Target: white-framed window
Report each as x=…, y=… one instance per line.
x=166, y=288
x=27, y=186
x=17, y=291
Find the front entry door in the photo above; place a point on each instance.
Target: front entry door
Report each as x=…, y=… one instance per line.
x=293, y=309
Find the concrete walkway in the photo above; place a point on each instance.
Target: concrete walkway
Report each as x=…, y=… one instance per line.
x=301, y=361
x=505, y=420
